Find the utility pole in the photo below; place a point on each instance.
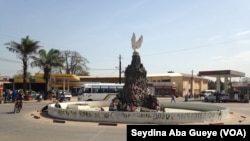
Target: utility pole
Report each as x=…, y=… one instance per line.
x=120, y=69
x=192, y=77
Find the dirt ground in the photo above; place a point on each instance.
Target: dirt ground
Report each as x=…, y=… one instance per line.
x=232, y=119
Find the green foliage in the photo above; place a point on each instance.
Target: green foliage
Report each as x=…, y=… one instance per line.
x=20, y=75
x=23, y=50
x=47, y=61
x=83, y=73
x=50, y=92
x=211, y=85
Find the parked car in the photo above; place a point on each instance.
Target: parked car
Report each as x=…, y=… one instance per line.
x=34, y=95
x=220, y=97
x=225, y=98
x=207, y=92
x=67, y=95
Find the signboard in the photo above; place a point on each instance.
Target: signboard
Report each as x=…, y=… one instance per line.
x=222, y=72
x=240, y=84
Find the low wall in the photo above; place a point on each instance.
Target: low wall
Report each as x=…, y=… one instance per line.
x=206, y=113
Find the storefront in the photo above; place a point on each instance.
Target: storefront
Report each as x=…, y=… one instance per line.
x=241, y=91
x=164, y=89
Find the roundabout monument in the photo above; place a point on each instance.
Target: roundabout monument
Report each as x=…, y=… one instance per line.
x=136, y=105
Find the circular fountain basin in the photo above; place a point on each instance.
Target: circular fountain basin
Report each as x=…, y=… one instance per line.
x=174, y=113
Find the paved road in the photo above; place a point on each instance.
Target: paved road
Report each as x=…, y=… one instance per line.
x=237, y=111
x=24, y=127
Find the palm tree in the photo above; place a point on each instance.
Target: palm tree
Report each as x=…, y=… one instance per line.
x=24, y=50
x=47, y=61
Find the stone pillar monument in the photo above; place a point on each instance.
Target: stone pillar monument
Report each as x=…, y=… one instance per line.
x=135, y=95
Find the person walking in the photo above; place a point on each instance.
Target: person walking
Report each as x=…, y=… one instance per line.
x=62, y=96
x=57, y=94
x=217, y=96
x=57, y=105
x=1, y=96
x=14, y=95
x=172, y=98
x=6, y=95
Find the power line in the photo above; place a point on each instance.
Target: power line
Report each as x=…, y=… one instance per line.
x=18, y=62
x=102, y=69
x=211, y=45
x=9, y=60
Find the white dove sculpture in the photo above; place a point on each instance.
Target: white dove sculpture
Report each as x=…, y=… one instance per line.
x=136, y=44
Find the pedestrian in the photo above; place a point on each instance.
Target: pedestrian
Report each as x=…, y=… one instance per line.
x=172, y=98
x=186, y=97
x=62, y=96
x=14, y=95
x=217, y=96
x=1, y=96
x=5, y=95
x=57, y=95
x=57, y=105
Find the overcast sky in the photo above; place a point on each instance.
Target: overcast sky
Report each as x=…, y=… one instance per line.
x=178, y=35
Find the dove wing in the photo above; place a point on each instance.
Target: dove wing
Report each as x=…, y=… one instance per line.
x=133, y=41
x=138, y=43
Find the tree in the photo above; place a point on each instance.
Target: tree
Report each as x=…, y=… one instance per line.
x=211, y=85
x=75, y=63
x=20, y=75
x=24, y=50
x=47, y=61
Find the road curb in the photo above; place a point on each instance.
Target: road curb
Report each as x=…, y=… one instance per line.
x=108, y=124
x=59, y=121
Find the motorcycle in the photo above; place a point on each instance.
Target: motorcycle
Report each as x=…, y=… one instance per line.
x=18, y=106
x=39, y=98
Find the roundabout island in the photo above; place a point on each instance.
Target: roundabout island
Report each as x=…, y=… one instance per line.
x=173, y=113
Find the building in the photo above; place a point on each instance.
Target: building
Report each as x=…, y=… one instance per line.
x=181, y=82
x=37, y=83
x=163, y=83
x=3, y=80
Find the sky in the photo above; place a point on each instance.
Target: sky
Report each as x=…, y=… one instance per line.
x=178, y=35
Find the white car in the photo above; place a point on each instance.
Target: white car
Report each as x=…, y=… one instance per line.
x=221, y=97
x=34, y=95
x=67, y=95
x=207, y=92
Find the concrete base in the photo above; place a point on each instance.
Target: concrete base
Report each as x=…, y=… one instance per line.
x=88, y=111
